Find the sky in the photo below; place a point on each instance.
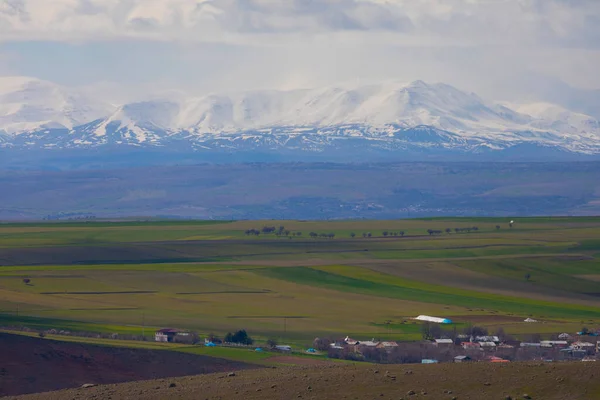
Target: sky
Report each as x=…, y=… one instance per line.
x=501, y=49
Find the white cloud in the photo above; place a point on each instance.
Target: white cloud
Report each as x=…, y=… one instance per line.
x=487, y=46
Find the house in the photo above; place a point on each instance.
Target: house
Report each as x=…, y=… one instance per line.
x=336, y=346
x=168, y=334
x=369, y=343
x=529, y=320
x=489, y=346
x=494, y=359
x=494, y=339
x=350, y=341
x=459, y=359
x=470, y=346
x=533, y=345
x=583, y=345
x=284, y=348
x=443, y=342
x=564, y=336
x=387, y=345
x=554, y=343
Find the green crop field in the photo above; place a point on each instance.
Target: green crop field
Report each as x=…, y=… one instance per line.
x=209, y=276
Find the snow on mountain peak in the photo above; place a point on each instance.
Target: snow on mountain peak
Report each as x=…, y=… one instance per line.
x=30, y=105
x=27, y=104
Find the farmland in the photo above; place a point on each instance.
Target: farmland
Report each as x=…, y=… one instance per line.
x=131, y=277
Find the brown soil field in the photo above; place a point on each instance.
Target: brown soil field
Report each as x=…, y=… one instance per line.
x=30, y=365
x=474, y=381
x=291, y=360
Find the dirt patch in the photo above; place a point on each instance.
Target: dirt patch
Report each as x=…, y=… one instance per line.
x=291, y=360
x=103, y=293
x=32, y=365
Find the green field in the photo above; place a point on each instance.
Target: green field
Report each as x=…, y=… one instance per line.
x=208, y=276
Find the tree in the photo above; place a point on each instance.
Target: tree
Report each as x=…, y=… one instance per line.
x=364, y=235
x=385, y=233
x=426, y=331
x=352, y=235
x=448, y=230
x=313, y=234
x=272, y=343
x=401, y=233
x=430, y=231
x=241, y=337
x=474, y=330
x=497, y=227
x=27, y=281
x=229, y=337
x=527, y=276
x=369, y=234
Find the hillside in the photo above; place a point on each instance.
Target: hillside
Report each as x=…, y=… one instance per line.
x=575, y=381
x=32, y=365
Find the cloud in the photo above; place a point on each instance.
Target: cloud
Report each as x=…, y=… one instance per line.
x=459, y=22
x=486, y=46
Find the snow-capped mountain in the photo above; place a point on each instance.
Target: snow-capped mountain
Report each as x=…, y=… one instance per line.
x=28, y=104
x=383, y=117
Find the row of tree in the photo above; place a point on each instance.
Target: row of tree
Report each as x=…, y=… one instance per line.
x=432, y=232
x=267, y=230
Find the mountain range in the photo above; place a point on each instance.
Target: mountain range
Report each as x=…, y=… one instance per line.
x=391, y=118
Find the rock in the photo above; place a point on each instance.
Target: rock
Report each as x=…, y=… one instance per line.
x=454, y=398
x=309, y=388
x=231, y=374
x=487, y=384
x=88, y=385
x=273, y=386
x=508, y=398
x=411, y=393
x=376, y=371
x=172, y=384
x=526, y=396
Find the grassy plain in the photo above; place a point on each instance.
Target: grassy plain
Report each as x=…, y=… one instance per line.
x=209, y=276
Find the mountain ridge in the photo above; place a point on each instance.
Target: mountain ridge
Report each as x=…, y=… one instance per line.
x=387, y=117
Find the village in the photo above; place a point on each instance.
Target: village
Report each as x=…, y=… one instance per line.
x=438, y=345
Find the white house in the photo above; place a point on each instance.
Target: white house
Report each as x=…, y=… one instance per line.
x=168, y=334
